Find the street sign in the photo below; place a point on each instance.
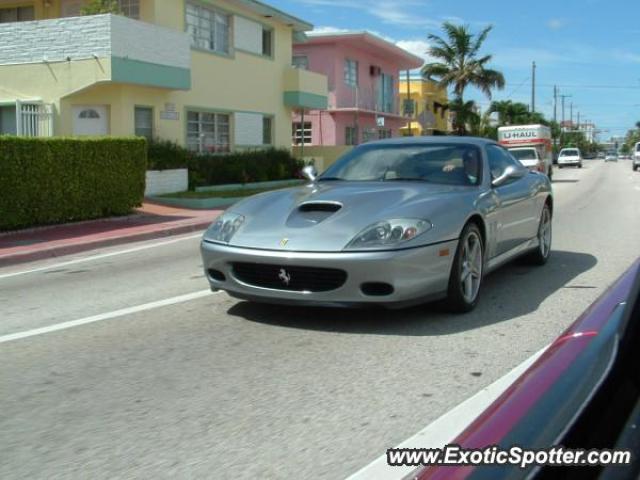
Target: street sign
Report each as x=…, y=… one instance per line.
x=380, y=121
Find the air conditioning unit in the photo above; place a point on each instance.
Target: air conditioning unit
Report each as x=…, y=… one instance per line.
x=374, y=70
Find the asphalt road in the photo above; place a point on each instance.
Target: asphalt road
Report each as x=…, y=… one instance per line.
x=216, y=388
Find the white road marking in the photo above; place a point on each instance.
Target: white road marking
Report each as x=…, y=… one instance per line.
x=106, y=316
x=446, y=428
x=99, y=257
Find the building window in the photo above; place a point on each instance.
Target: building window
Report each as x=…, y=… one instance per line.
x=267, y=42
x=143, y=117
x=208, y=28
x=267, y=130
x=386, y=93
x=351, y=72
x=302, y=133
x=208, y=132
x=351, y=136
x=130, y=8
x=301, y=62
x=17, y=14
x=89, y=113
x=384, y=133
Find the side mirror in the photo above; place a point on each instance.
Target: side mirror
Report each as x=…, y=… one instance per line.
x=310, y=173
x=509, y=173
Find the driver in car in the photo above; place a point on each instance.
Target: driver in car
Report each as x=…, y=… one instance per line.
x=469, y=171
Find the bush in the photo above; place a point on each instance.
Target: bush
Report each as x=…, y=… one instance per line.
x=220, y=169
x=165, y=155
x=245, y=167
x=55, y=180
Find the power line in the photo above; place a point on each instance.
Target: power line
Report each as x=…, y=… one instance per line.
x=631, y=87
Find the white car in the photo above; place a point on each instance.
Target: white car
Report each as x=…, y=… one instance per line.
x=611, y=157
x=570, y=157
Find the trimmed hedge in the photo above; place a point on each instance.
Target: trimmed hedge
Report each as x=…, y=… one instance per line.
x=55, y=180
x=165, y=155
x=237, y=167
x=244, y=167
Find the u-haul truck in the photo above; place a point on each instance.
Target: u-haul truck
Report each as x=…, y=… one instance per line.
x=531, y=144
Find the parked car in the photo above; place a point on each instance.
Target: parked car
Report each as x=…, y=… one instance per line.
x=393, y=222
x=636, y=157
x=570, y=157
x=611, y=157
x=582, y=393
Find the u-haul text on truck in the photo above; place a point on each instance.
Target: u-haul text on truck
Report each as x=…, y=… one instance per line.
x=531, y=144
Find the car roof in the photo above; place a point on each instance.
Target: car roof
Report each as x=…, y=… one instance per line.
x=435, y=139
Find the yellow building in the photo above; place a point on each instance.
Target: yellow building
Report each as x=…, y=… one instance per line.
x=214, y=75
x=429, y=109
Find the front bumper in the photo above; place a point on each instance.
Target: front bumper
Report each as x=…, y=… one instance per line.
x=417, y=274
x=569, y=162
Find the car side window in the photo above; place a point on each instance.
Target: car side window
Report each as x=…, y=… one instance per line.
x=499, y=160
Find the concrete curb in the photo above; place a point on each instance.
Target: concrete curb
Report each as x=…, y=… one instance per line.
x=82, y=246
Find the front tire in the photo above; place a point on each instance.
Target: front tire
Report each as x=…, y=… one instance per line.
x=541, y=254
x=580, y=165
x=465, y=279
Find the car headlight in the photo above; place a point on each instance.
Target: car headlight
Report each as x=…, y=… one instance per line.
x=389, y=233
x=225, y=227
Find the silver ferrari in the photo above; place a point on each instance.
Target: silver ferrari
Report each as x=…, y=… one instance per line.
x=395, y=222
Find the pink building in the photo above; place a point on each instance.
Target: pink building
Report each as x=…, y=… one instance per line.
x=363, y=74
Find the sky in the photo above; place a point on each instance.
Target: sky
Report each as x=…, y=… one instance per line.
x=589, y=48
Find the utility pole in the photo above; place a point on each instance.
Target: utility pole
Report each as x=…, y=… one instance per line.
x=562, y=124
x=571, y=114
x=563, y=97
x=578, y=124
x=533, y=87
x=555, y=104
x=410, y=134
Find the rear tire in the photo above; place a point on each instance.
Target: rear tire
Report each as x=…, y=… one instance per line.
x=465, y=279
x=541, y=254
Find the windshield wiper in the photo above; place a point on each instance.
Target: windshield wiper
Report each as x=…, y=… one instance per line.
x=404, y=179
x=329, y=179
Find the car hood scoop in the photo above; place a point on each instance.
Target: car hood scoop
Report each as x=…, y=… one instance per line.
x=309, y=214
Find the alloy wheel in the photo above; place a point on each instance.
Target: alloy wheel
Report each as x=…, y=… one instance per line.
x=544, y=233
x=471, y=267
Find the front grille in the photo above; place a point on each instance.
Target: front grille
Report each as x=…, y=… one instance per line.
x=292, y=278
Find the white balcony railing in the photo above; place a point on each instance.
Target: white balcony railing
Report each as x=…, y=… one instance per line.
x=93, y=36
x=364, y=98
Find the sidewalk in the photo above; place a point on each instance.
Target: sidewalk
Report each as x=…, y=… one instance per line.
x=148, y=222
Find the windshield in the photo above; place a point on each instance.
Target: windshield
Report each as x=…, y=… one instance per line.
x=569, y=153
x=638, y=147
x=527, y=154
x=438, y=163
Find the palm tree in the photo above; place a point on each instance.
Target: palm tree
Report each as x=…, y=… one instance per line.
x=638, y=125
x=465, y=115
x=459, y=63
x=514, y=113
